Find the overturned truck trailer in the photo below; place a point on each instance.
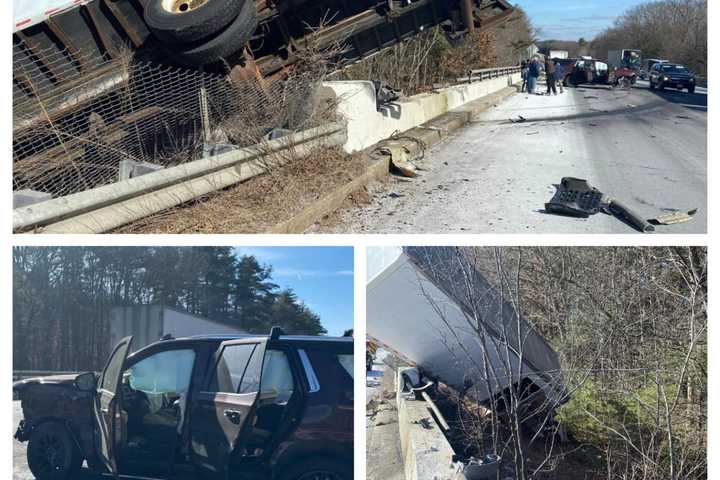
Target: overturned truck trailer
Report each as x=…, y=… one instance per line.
x=432, y=307
x=104, y=90
x=262, y=36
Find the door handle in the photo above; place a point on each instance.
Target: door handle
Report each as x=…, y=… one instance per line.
x=234, y=416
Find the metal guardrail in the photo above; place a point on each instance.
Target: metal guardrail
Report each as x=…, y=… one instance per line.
x=488, y=73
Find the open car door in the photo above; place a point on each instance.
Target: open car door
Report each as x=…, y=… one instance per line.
x=108, y=419
x=223, y=411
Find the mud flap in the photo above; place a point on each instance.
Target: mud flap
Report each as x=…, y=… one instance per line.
x=575, y=198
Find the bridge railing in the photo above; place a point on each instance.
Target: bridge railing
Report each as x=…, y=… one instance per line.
x=488, y=74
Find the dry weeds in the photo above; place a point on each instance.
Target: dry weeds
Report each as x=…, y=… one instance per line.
x=261, y=203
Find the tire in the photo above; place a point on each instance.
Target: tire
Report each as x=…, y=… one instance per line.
x=223, y=44
x=661, y=86
x=52, y=453
x=194, y=25
x=318, y=468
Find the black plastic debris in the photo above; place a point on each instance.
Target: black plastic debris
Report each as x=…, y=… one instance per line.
x=575, y=197
x=485, y=468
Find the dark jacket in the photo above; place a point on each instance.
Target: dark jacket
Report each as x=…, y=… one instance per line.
x=550, y=69
x=534, y=69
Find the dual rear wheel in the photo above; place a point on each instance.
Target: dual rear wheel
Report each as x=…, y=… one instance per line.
x=200, y=32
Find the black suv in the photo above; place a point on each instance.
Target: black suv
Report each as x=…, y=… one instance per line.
x=245, y=407
x=672, y=75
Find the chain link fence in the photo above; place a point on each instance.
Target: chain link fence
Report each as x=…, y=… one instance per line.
x=81, y=121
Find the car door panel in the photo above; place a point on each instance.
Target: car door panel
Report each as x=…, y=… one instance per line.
x=219, y=418
x=108, y=419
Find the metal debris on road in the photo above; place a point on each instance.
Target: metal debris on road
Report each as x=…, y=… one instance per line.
x=575, y=197
x=674, y=218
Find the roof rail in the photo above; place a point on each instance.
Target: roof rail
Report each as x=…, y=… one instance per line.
x=275, y=333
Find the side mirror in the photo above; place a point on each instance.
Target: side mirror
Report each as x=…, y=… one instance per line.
x=85, y=382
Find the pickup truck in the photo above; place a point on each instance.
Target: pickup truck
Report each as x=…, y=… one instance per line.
x=246, y=407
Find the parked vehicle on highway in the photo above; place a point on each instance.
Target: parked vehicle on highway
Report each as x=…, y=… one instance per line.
x=590, y=71
x=672, y=75
x=246, y=407
x=648, y=63
x=566, y=64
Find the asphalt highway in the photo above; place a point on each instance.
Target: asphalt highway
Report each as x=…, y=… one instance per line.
x=643, y=147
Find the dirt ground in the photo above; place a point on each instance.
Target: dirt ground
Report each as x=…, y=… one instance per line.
x=261, y=203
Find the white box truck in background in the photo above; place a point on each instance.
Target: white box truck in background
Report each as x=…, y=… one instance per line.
x=150, y=323
x=561, y=54
x=627, y=58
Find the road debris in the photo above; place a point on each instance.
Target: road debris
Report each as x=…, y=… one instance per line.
x=481, y=469
x=575, y=197
x=399, y=161
x=532, y=133
x=674, y=218
x=520, y=119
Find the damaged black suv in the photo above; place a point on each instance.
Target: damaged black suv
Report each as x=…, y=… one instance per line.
x=245, y=407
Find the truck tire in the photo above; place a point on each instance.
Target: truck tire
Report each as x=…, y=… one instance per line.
x=187, y=21
x=325, y=468
x=224, y=43
x=52, y=453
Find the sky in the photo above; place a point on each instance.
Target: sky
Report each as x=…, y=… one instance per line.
x=322, y=277
x=572, y=19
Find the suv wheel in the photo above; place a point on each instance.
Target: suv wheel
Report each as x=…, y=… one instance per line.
x=319, y=469
x=52, y=454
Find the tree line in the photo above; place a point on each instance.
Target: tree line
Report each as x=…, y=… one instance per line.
x=629, y=326
x=62, y=297
x=674, y=30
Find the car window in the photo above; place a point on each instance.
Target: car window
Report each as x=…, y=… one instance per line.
x=111, y=374
x=332, y=368
x=277, y=379
x=230, y=368
x=346, y=361
x=251, y=379
x=163, y=373
x=674, y=69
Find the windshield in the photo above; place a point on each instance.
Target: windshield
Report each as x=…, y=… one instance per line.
x=675, y=69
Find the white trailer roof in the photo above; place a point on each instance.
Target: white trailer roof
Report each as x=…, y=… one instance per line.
x=27, y=13
x=413, y=310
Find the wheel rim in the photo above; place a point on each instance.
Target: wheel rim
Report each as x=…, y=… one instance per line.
x=182, y=6
x=50, y=455
x=320, y=475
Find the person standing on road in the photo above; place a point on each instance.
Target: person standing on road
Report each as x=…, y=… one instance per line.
x=524, y=75
x=559, y=76
x=550, y=76
x=533, y=74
